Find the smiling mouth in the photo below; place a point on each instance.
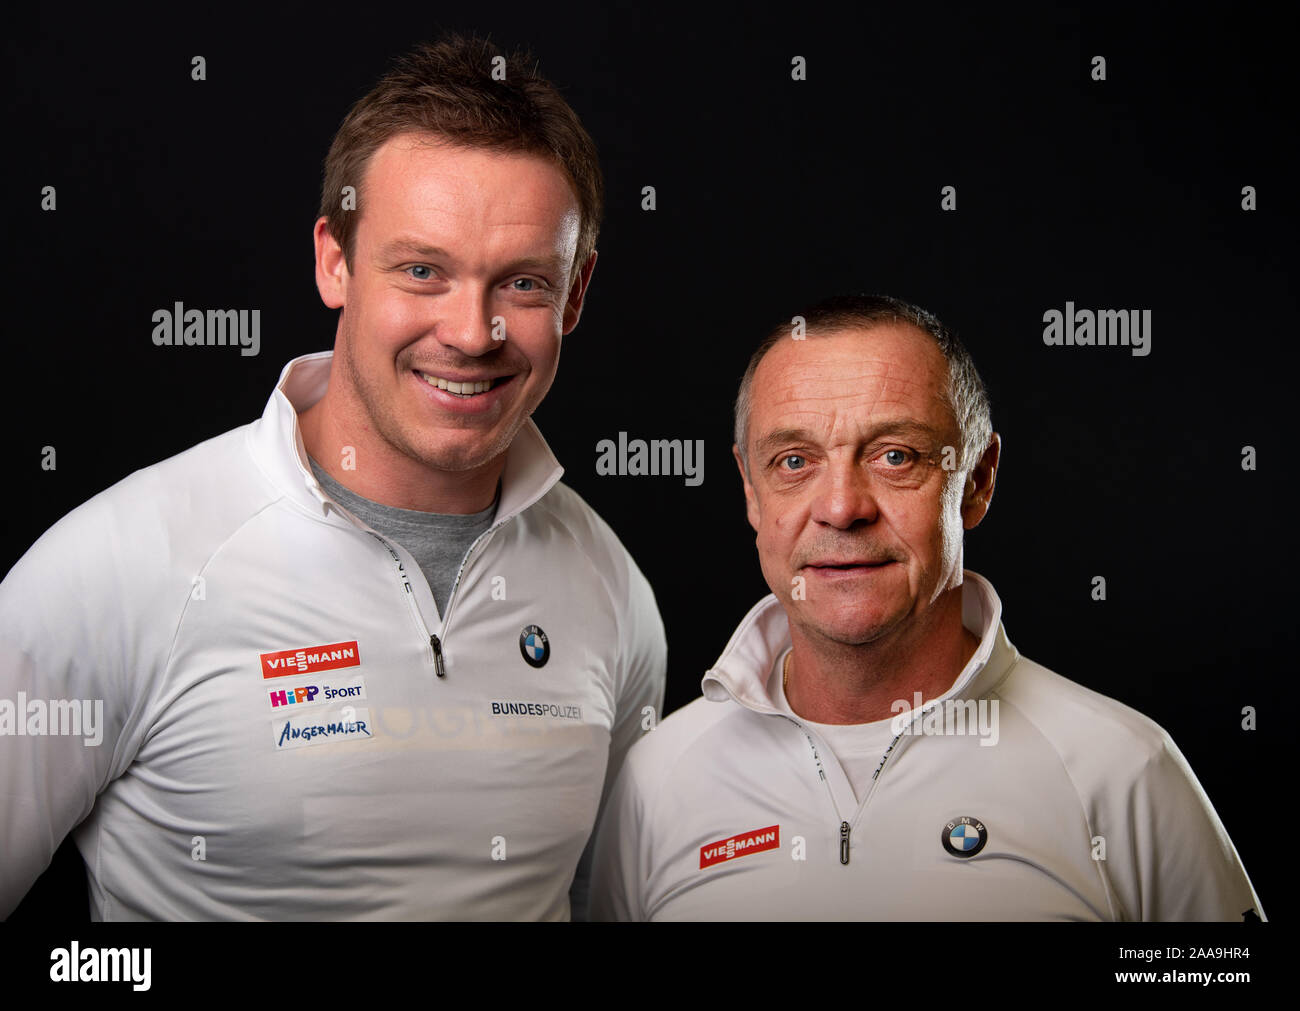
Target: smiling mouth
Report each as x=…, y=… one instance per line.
x=469, y=388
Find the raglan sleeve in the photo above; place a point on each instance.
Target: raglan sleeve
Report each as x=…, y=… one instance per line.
x=1175, y=861
x=619, y=863
x=64, y=700
x=642, y=669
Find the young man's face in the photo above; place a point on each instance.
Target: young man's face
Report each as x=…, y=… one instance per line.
x=455, y=249
x=859, y=526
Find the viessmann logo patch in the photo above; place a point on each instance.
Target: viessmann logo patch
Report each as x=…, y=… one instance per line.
x=310, y=659
x=740, y=845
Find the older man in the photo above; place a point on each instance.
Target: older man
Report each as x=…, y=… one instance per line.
x=870, y=745
x=365, y=657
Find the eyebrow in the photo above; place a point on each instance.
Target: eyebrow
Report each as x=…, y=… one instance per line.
x=401, y=247
x=397, y=248
x=900, y=426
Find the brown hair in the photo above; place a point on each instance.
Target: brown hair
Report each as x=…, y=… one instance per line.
x=447, y=88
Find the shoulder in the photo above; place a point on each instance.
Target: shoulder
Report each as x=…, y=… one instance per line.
x=679, y=740
x=564, y=508
x=1066, y=711
x=1137, y=789
x=1102, y=742
x=566, y=514
x=162, y=519
x=95, y=603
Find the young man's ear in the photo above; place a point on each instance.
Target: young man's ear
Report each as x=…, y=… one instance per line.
x=577, y=293
x=331, y=267
x=978, y=492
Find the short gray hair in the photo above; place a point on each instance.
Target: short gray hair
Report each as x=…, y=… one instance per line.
x=967, y=396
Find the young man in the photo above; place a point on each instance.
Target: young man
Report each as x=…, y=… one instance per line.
x=365, y=657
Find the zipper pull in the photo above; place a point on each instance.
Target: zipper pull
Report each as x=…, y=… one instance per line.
x=844, y=842
x=437, y=656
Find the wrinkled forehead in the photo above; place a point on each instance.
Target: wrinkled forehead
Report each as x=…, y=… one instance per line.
x=843, y=383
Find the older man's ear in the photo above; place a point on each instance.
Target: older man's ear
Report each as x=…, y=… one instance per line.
x=978, y=492
x=751, y=500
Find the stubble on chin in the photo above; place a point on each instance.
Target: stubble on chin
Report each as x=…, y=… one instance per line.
x=845, y=632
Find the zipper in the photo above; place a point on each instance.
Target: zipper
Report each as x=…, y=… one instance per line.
x=821, y=773
x=464, y=564
x=434, y=645
x=846, y=829
x=438, y=666
x=435, y=642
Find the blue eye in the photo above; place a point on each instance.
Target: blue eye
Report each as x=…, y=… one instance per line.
x=421, y=277
x=897, y=457
x=525, y=280
x=794, y=456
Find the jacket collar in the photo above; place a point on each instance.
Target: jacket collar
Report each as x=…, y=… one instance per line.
x=275, y=441
x=742, y=670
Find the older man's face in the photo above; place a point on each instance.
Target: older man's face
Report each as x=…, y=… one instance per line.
x=859, y=526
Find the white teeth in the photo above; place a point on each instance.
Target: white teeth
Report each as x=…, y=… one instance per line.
x=466, y=389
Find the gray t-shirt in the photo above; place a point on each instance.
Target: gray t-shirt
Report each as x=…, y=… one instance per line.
x=438, y=541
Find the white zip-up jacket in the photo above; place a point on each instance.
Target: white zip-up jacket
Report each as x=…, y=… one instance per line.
x=1076, y=808
x=289, y=728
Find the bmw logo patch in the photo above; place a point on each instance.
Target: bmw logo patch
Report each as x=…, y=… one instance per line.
x=964, y=837
x=533, y=646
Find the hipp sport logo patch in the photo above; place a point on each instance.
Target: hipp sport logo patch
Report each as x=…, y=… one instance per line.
x=324, y=691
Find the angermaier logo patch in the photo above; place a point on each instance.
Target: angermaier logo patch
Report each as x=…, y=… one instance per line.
x=299, y=731
x=310, y=659
x=742, y=845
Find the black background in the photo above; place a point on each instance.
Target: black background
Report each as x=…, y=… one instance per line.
x=771, y=194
